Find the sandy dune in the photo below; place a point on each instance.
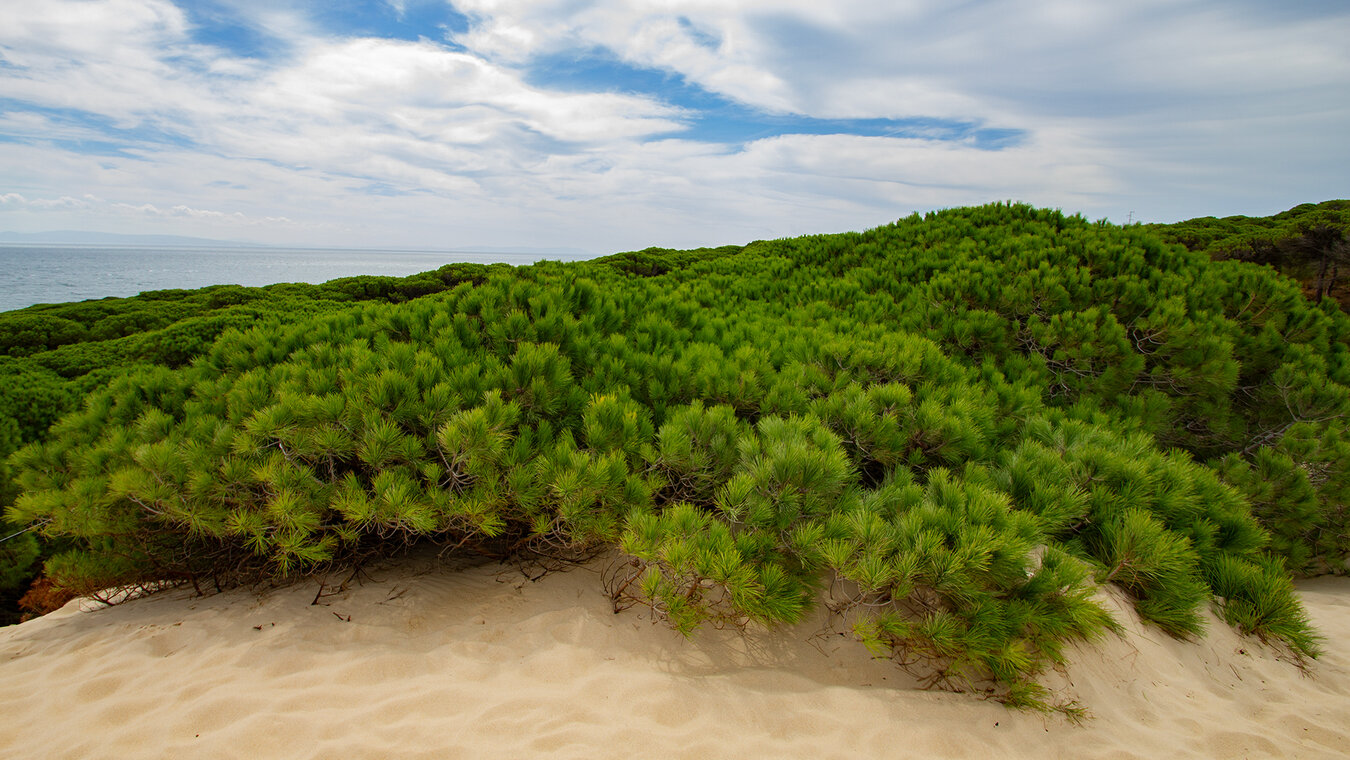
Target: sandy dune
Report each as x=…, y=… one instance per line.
x=421, y=662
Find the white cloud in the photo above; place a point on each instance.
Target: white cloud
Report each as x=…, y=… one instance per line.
x=17, y=201
x=1190, y=104
x=1016, y=60
x=1168, y=109
x=110, y=57
x=433, y=92
x=231, y=219
x=671, y=36
x=92, y=204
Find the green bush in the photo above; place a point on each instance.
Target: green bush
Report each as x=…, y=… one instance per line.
x=952, y=426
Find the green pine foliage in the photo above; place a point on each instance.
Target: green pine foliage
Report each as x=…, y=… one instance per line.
x=949, y=430
x=1232, y=236
x=52, y=356
x=1308, y=242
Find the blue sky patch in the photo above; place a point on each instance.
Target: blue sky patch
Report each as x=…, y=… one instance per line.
x=112, y=140
x=997, y=139
x=710, y=117
x=432, y=19
x=219, y=26
x=701, y=36
x=383, y=189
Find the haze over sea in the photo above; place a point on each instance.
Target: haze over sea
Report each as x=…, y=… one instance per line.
x=34, y=274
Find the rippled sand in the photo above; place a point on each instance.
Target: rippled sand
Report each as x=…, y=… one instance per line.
x=423, y=662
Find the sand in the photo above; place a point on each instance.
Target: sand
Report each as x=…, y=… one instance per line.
x=423, y=662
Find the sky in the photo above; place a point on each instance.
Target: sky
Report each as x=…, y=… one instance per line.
x=611, y=125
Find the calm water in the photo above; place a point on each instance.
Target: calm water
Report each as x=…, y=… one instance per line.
x=57, y=274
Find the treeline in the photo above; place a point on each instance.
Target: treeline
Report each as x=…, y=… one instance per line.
x=957, y=424
x=1308, y=242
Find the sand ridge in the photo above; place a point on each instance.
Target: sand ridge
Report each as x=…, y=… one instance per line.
x=416, y=661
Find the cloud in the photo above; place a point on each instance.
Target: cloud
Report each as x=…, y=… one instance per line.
x=17, y=201
x=235, y=219
x=95, y=205
x=266, y=116
x=1185, y=106
x=110, y=57
x=677, y=39
x=794, y=54
x=363, y=87
x=435, y=93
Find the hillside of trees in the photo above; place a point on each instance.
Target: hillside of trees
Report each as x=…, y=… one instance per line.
x=956, y=426
x=1307, y=242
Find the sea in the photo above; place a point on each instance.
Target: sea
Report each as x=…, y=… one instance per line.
x=43, y=274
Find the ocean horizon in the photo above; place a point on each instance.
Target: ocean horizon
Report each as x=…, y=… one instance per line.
x=49, y=274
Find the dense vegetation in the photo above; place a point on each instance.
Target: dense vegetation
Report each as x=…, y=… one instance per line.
x=957, y=425
x=1307, y=242
x=52, y=356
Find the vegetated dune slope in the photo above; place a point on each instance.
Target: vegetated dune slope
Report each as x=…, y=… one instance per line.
x=420, y=661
